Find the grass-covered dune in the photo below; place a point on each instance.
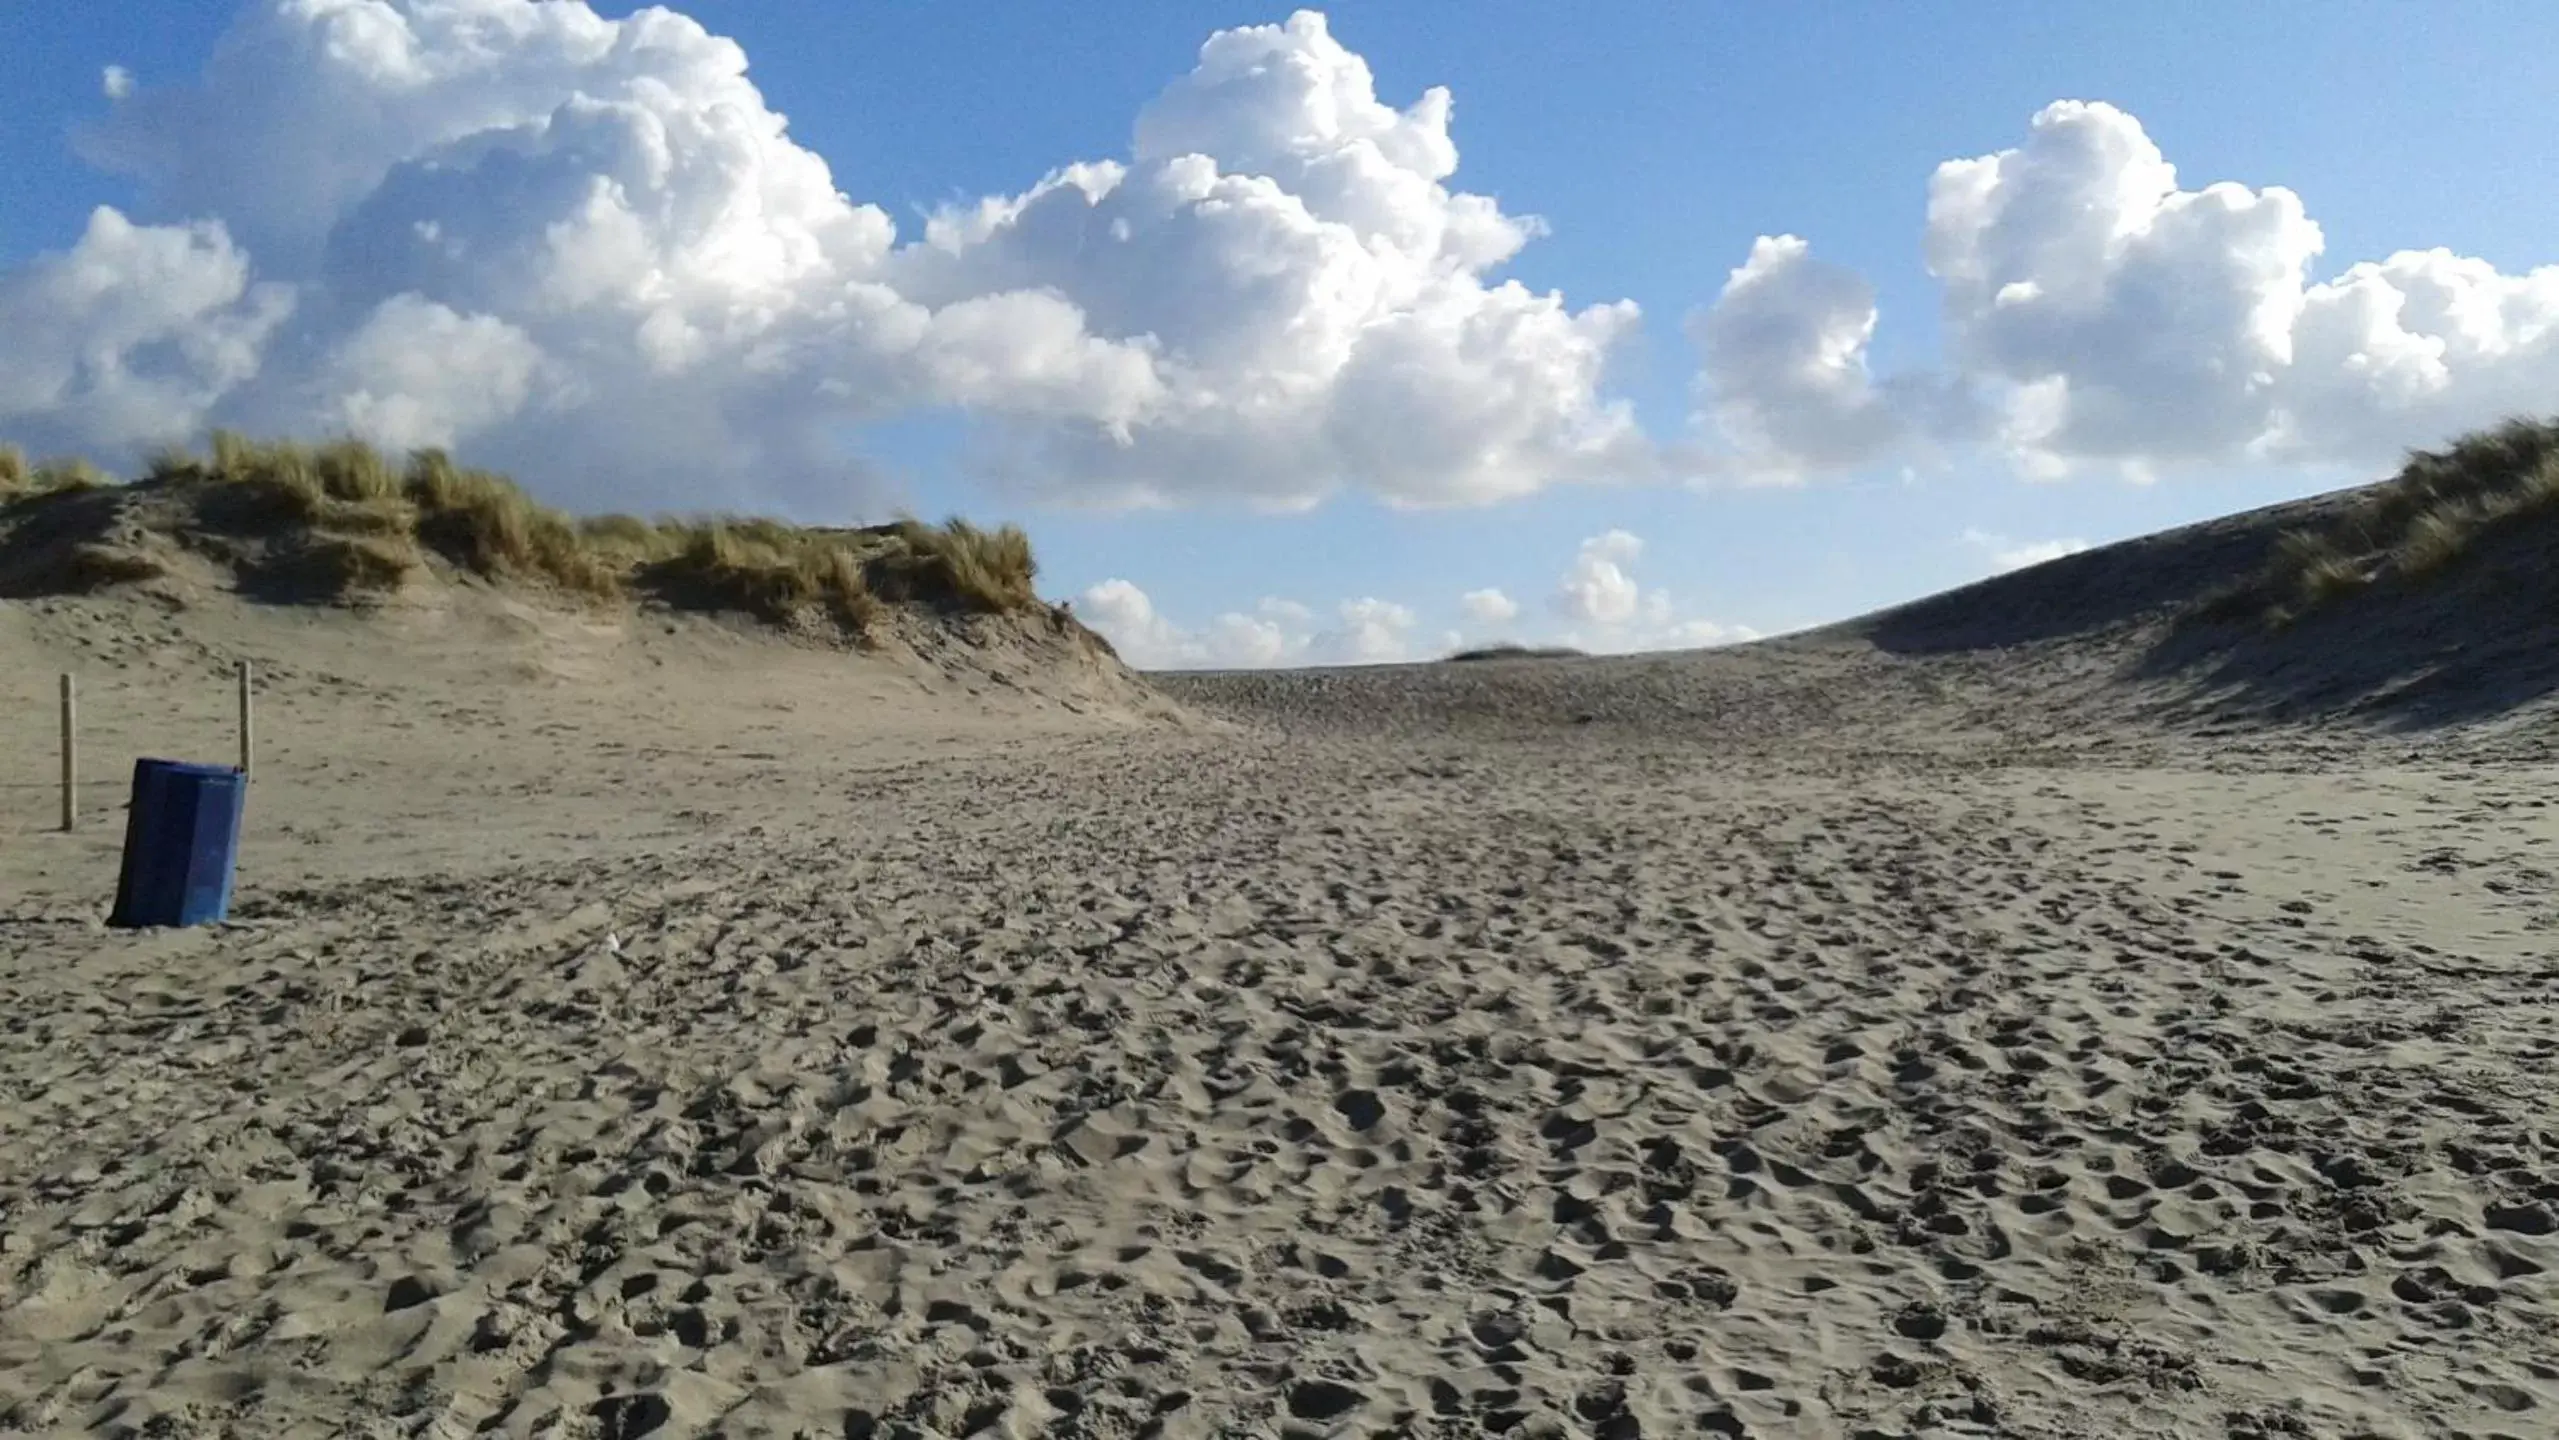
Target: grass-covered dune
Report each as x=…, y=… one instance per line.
x=2421, y=601
x=2413, y=529
x=1513, y=650
x=341, y=521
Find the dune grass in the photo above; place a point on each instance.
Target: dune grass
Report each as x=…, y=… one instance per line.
x=361, y=522
x=1513, y=650
x=992, y=569
x=22, y=480
x=757, y=566
x=2414, y=527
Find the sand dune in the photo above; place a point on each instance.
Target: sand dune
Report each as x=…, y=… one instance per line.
x=1964, y=1022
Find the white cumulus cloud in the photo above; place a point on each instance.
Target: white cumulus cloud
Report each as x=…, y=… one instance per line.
x=588, y=249
x=1783, y=363
x=1598, y=606
x=1275, y=295
x=416, y=374
x=132, y=336
x=1696, y=633
x=2005, y=554
x=2099, y=314
x=1605, y=609
x=2135, y=319
x=1127, y=617
x=1369, y=632
x=1277, y=632
x=1597, y=590
x=1488, y=606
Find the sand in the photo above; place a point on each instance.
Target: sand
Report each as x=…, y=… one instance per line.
x=627, y=1032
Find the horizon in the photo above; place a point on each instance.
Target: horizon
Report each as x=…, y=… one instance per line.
x=1281, y=352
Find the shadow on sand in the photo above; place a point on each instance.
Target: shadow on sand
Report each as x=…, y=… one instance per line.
x=2472, y=643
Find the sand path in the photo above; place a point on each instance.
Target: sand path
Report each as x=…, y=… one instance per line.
x=1195, y=1084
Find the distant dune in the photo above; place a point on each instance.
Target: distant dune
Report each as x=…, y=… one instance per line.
x=2408, y=606
x=1515, y=652
x=2410, y=603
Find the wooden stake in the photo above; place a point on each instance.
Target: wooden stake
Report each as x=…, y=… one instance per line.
x=70, y=756
x=247, y=727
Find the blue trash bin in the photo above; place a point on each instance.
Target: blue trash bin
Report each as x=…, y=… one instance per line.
x=181, y=842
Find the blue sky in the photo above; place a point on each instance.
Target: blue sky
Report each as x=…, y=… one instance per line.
x=1655, y=144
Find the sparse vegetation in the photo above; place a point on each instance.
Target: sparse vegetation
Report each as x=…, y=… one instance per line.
x=345, y=521
x=488, y=525
x=2436, y=539
x=2411, y=528
x=990, y=569
x=762, y=568
x=22, y=481
x=1512, y=650
x=352, y=563
x=90, y=566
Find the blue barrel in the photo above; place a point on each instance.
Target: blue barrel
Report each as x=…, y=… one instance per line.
x=181, y=841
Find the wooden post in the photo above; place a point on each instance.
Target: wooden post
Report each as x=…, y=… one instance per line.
x=247, y=730
x=70, y=756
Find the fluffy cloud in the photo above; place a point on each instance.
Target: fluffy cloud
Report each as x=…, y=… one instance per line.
x=1488, y=607
x=1127, y=616
x=1597, y=606
x=1278, y=632
x=131, y=336
x=2131, y=319
x=1695, y=633
x=417, y=374
x=1605, y=609
x=1597, y=589
x=2098, y=314
x=1371, y=632
x=1783, y=363
x=587, y=248
x=2005, y=554
x=1311, y=295
x=1274, y=296
x=2412, y=349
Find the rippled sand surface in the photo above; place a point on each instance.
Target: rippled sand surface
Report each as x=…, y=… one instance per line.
x=1774, y=1043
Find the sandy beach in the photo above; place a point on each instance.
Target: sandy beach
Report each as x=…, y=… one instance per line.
x=1220, y=722
x=640, y=1029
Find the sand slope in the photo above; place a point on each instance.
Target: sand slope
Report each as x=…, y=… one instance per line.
x=1806, y=1040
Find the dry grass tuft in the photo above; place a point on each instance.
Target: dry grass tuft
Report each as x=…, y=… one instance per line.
x=391, y=517
x=92, y=566
x=2323, y=581
x=22, y=481
x=2413, y=528
x=487, y=524
x=2436, y=539
x=771, y=571
x=352, y=470
x=956, y=562
x=362, y=564
x=627, y=538
x=284, y=474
